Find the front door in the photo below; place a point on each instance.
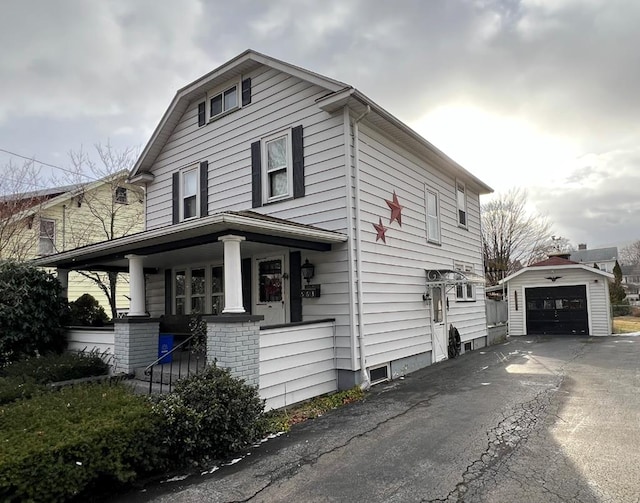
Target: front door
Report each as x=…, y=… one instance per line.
x=438, y=314
x=270, y=291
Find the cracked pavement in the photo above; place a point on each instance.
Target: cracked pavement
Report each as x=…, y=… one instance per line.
x=531, y=420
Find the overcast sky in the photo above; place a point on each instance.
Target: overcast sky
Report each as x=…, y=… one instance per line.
x=539, y=94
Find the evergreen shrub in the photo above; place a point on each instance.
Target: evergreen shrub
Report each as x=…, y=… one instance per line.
x=64, y=444
x=210, y=415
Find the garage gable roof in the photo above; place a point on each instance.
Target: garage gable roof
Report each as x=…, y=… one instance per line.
x=555, y=264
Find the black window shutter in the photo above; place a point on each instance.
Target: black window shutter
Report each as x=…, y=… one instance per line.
x=256, y=175
x=246, y=284
x=246, y=91
x=297, y=152
x=202, y=107
x=176, y=197
x=168, y=293
x=295, y=285
x=204, y=188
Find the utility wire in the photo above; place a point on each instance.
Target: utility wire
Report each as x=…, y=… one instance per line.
x=49, y=165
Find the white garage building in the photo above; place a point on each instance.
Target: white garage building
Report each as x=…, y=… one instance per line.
x=558, y=296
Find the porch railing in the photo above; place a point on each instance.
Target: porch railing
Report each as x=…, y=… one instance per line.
x=184, y=366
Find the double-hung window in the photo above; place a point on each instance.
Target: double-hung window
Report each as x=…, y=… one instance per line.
x=277, y=166
x=47, y=238
x=433, y=216
x=461, y=200
x=189, y=196
x=464, y=291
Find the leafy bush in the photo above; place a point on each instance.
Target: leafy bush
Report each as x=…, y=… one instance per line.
x=86, y=311
x=622, y=308
x=58, y=445
x=32, y=312
x=210, y=415
x=54, y=367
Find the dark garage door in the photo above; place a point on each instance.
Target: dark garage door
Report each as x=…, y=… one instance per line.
x=557, y=310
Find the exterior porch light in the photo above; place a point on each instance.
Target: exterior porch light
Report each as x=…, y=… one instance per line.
x=308, y=270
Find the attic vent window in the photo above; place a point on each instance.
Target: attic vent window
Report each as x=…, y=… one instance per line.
x=121, y=195
x=223, y=102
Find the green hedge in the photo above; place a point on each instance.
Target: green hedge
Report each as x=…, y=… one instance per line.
x=57, y=445
x=57, y=367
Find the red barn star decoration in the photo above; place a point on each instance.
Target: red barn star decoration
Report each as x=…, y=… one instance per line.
x=380, y=229
x=396, y=209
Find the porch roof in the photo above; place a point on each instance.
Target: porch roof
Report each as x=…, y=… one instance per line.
x=110, y=255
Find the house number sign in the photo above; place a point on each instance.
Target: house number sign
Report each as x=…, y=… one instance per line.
x=310, y=292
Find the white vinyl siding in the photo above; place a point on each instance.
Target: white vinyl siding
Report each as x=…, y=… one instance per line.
x=597, y=297
x=397, y=323
x=279, y=103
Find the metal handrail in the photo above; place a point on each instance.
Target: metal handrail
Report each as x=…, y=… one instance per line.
x=159, y=359
x=148, y=371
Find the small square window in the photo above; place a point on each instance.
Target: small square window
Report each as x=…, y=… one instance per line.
x=121, y=195
x=464, y=291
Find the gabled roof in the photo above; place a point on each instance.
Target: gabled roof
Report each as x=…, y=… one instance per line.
x=595, y=255
x=48, y=198
x=556, y=264
x=339, y=94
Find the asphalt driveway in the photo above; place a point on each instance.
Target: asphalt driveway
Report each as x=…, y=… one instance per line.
x=535, y=419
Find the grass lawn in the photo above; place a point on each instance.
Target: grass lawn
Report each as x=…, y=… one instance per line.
x=626, y=324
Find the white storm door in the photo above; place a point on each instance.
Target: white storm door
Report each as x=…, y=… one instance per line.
x=438, y=323
x=270, y=290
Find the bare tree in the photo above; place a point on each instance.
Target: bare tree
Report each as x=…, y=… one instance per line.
x=112, y=208
x=630, y=254
x=19, y=201
x=512, y=237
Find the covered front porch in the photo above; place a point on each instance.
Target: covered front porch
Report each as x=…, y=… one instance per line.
x=242, y=272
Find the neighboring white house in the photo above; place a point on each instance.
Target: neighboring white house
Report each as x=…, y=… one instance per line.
x=604, y=258
x=261, y=168
x=558, y=296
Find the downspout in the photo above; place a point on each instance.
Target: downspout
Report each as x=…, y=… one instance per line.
x=365, y=384
x=64, y=227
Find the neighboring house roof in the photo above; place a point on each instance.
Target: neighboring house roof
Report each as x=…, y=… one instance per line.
x=47, y=198
x=189, y=233
x=595, y=255
x=556, y=263
x=339, y=95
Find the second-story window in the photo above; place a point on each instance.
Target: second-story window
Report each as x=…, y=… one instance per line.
x=277, y=166
x=461, y=200
x=189, y=193
x=433, y=217
x=47, y=239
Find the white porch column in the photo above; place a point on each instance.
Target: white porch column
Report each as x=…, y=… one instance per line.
x=63, y=278
x=136, y=286
x=232, y=274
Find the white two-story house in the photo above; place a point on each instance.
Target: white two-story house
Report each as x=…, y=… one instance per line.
x=260, y=174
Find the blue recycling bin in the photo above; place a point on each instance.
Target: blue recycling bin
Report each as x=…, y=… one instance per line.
x=165, y=345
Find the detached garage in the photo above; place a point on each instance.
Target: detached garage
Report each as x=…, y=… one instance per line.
x=561, y=297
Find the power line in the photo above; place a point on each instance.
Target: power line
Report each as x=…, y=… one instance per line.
x=47, y=164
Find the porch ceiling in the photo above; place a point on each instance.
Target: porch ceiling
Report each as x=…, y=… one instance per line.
x=195, y=240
